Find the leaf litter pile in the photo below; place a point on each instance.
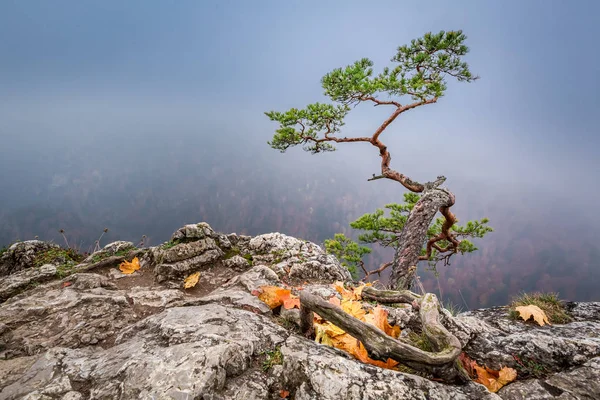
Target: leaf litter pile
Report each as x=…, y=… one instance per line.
x=329, y=334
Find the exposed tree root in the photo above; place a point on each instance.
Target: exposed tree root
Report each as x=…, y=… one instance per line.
x=442, y=363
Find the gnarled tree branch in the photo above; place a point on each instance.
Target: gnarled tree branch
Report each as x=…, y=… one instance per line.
x=440, y=363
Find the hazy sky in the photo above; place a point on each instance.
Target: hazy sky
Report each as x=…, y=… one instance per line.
x=76, y=74
x=146, y=115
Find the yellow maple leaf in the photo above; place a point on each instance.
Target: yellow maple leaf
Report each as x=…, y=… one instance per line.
x=349, y=294
x=534, y=312
x=191, y=280
x=127, y=267
x=353, y=308
x=274, y=296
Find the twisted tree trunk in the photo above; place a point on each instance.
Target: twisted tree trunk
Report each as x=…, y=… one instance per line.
x=412, y=238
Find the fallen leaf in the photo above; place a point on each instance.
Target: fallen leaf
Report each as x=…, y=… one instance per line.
x=349, y=294
x=358, y=290
x=531, y=311
x=191, y=280
x=284, y=394
x=335, y=301
x=353, y=308
x=65, y=284
x=274, y=296
x=291, y=302
x=378, y=318
x=468, y=364
x=492, y=379
x=332, y=335
x=127, y=267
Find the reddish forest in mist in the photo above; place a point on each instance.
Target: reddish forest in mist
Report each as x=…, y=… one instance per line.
x=532, y=247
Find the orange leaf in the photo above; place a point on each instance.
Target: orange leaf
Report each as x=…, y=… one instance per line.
x=335, y=301
x=291, y=302
x=67, y=284
x=127, y=267
x=284, y=394
x=274, y=296
x=491, y=379
x=378, y=318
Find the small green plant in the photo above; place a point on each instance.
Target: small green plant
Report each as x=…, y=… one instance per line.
x=550, y=303
x=420, y=340
x=453, y=308
x=233, y=251
x=3, y=250
x=248, y=258
x=273, y=357
x=64, y=259
x=103, y=255
x=348, y=252
x=171, y=244
x=527, y=366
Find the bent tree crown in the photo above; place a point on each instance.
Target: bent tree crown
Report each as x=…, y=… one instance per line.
x=417, y=78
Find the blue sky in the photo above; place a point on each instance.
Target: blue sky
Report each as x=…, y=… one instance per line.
x=79, y=71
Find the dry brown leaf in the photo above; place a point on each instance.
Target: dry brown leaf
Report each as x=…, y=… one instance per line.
x=127, y=267
x=191, y=280
x=531, y=311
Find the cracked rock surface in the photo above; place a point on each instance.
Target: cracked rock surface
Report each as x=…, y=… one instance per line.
x=100, y=334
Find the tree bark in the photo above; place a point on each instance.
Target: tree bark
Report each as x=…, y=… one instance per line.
x=413, y=236
x=441, y=362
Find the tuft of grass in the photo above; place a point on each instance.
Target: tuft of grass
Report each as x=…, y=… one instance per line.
x=65, y=259
x=273, y=357
x=233, y=251
x=99, y=257
x=453, y=308
x=550, y=303
x=170, y=244
x=3, y=250
x=249, y=258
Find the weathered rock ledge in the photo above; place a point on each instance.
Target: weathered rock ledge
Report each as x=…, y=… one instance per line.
x=82, y=330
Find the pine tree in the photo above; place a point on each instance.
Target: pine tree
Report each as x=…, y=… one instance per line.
x=417, y=78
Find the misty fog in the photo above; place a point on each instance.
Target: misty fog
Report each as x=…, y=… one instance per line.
x=141, y=118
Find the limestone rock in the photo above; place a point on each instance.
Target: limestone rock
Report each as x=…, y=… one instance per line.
x=323, y=373
x=93, y=336
x=89, y=311
x=496, y=340
x=184, y=258
x=184, y=352
x=12, y=284
x=22, y=255
x=237, y=263
x=297, y=259
x=110, y=250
